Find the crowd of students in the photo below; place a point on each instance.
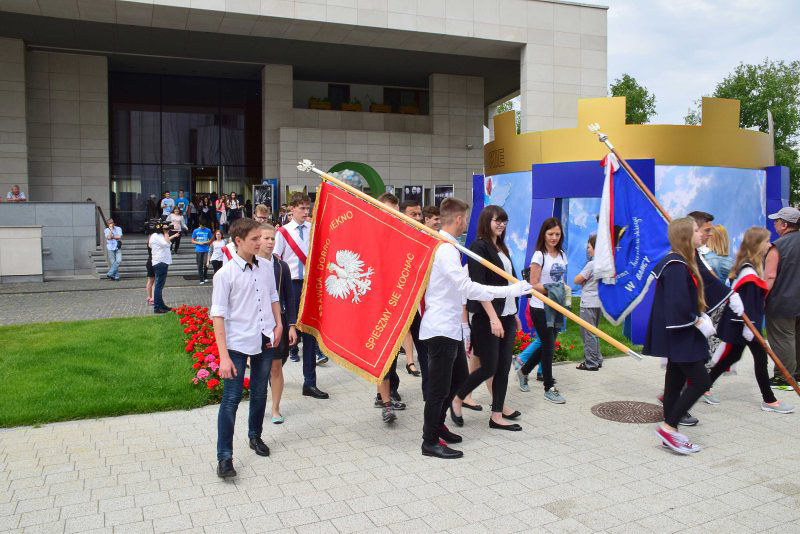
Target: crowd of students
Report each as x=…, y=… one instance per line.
x=465, y=334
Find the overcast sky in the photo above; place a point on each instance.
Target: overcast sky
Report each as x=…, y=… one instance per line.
x=680, y=49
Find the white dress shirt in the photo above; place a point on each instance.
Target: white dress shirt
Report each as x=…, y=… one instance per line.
x=448, y=288
x=285, y=252
x=243, y=295
x=159, y=249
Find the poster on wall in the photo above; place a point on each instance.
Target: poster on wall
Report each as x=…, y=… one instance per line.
x=390, y=189
x=263, y=194
x=441, y=192
x=412, y=192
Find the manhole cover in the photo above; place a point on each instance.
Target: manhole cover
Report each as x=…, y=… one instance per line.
x=629, y=412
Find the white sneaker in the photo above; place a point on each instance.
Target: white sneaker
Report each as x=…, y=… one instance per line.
x=202, y=282
x=782, y=407
x=710, y=398
x=554, y=396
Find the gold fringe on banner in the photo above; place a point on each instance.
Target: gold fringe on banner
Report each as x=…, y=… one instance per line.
x=330, y=353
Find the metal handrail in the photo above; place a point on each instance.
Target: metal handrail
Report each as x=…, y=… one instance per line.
x=100, y=223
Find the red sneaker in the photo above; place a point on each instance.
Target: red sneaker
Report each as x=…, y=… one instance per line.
x=677, y=441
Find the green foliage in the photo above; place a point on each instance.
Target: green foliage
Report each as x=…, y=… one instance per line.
x=74, y=370
x=769, y=86
x=640, y=105
x=508, y=105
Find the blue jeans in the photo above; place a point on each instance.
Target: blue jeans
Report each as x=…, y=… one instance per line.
x=161, y=278
x=260, y=366
x=115, y=257
x=309, y=344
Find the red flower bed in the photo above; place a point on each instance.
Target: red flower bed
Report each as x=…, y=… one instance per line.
x=201, y=343
x=521, y=341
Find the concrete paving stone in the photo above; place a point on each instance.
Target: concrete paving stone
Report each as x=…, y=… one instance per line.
x=321, y=527
x=81, y=524
x=56, y=527
x=263, y=523
x=141, y=527
x=121, y=517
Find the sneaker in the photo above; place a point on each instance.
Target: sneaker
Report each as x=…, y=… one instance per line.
x=388, y=414
x=378, y=402
x=294, y=357
x=399, y=406
x=710, y=398
x=523, y=381
x=517, y=363
x=676, y=441
x=777, y=382
x=781, y=407
x=322, y=359
x=554, y=396
x=202, y=282
x=688, y=420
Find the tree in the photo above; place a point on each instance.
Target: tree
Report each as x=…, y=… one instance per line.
x=640, y=105
x=770, y=86
x=508, y=105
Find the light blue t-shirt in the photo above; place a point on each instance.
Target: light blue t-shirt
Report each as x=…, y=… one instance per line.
x=201, y=234
x=166, y=206
x=183, y=202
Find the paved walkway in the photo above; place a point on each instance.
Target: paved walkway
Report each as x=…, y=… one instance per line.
x=91, y=299
x=336, y=468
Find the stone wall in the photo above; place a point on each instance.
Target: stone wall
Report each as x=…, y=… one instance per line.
x=67, y=122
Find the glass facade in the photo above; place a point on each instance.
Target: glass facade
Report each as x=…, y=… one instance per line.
x=171, y=133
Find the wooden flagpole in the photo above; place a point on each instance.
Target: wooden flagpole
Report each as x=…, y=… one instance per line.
x=308, y=166
x=595, y=128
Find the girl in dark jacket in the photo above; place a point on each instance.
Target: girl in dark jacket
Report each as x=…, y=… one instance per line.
x=747, y=280
x=678, y=330
x=493, y=324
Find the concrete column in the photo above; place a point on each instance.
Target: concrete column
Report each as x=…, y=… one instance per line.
x=68, y=127
x=457, y=113
x=564, y=60
x=276, y=94
x=13, y=130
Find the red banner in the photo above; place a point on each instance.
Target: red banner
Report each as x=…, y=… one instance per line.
x=366, y=273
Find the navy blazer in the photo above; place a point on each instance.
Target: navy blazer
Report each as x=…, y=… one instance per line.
x=283, y=284
x=482, y=275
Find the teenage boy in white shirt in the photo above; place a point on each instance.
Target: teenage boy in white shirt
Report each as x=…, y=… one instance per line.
x=294, y=237
x=246, y=312
x=444, y=328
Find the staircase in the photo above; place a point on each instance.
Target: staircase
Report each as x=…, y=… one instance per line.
x=134, y=258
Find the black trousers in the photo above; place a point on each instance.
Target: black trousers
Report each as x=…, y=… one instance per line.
x=733, y=353
x=177, y=241
x=217, y=265
x=495, y=355
x=544, y=354
x=422, y=353
x=202, y=267
x=447, y=370
x=676, y=402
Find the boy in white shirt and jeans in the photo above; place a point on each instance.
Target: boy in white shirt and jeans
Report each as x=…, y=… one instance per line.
x=246, y=312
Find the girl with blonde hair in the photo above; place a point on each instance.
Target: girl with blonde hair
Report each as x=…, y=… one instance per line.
x=747, y=278
x=718, y=257
x=678, y=330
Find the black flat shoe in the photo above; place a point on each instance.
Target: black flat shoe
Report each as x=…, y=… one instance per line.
x=313, y=391
x=225, y=468
x=448, y=436
x=514, y=427
x=457, y=419
x=440, y=451
x=512, y=415
x=473, y=407
x=415, y=372
x=259, y=446
x=583, y=367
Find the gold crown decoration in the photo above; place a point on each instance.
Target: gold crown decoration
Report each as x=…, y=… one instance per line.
x=717, y=142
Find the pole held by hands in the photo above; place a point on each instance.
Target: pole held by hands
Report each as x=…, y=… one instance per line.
x=308, y=166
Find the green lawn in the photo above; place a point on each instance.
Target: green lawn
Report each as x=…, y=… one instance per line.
x=82, y=369
x=572, y=337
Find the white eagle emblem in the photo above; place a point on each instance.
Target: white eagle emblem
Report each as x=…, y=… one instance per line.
x=348, y=276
